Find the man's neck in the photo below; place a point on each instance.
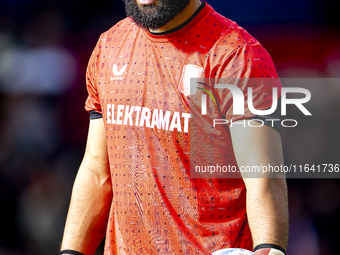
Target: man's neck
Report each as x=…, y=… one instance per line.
x=179, y=18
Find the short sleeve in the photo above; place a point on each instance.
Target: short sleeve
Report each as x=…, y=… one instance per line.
x=92, y=104
x=250, y=66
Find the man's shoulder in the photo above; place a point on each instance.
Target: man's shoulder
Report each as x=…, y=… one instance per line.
x=121, y=28
x=232, y=40
x=234, y=44
x=235, y=35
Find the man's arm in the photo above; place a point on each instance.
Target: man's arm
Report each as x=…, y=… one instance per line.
x=91, y=196
x=267, y=206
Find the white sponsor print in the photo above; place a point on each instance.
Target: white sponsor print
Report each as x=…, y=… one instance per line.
x=189, y=71
x=145, y=117
x=117, y=72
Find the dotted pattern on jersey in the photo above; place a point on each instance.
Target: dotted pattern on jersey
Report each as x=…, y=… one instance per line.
x=133, y=79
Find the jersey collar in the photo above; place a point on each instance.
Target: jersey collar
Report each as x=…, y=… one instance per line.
x=178, y=31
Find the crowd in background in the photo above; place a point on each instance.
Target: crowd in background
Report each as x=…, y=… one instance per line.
x=44, y=49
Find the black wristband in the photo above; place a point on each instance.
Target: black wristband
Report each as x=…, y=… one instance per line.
x=267, y=245
x=71, y=252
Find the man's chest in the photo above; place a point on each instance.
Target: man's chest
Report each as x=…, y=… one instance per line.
x=146, y=78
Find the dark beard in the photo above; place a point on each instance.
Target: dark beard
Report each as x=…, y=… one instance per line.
x=152, y=16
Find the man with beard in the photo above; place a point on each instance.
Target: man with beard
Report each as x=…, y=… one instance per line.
x=134, y=185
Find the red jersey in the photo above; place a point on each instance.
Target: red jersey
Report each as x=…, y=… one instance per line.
x=138, y=83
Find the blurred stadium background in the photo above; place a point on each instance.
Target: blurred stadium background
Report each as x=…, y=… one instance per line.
x=44, y=49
